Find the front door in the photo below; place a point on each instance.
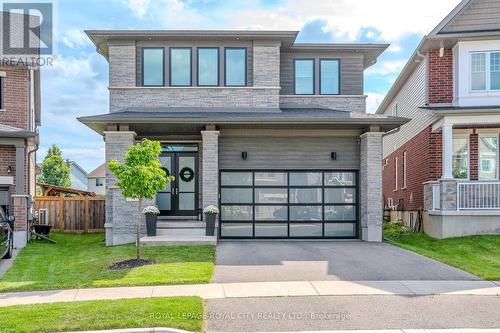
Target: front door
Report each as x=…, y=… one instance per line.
x=180, y=197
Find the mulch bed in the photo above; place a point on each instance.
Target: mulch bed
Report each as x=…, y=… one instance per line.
x=131, y=263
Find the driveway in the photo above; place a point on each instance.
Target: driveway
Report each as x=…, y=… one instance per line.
x=258, y=261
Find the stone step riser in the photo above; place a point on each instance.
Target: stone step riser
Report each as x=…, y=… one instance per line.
x=181, y=232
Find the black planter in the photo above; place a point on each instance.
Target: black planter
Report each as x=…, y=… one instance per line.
x=210, y=224
x=151, y=224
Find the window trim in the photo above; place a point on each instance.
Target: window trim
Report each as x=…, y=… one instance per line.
x=1, y=94
x=405, y=170
x=313, y=78
x=394, y=110
x=395, y=174
x=246, y=66
x=487, y=72
x=319, y=73
x=190, y=66
x=163, y=66
x=467, y=137
x=497, y=157
x=198, y=66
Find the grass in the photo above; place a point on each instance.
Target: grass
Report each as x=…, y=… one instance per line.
x=479, y=255
x=176, y=312
x=82, y=261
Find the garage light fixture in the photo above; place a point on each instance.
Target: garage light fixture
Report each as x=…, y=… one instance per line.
x=333, y=155
x=244, y=155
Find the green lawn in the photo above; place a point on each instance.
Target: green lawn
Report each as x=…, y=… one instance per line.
x=479, y=255
x=176, y=312
x=82, y=260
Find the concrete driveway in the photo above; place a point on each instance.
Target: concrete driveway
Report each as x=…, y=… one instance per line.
x=257, y=261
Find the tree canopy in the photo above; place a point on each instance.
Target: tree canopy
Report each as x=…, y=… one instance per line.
x=54, y=169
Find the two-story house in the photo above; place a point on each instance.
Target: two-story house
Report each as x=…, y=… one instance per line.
x=273, y=132
x=96, y=180
x=19, y=120
x=444, y=162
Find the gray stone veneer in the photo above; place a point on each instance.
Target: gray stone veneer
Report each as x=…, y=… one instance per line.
x=266, y=64
x=371, y=186
x=448, y=194
x=210, y=167
x=352, y=103
x=122, y=64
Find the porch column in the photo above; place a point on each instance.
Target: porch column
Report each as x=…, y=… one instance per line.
x=371, y=186
x=210, y=167
x=447, y=151
x=20, y=168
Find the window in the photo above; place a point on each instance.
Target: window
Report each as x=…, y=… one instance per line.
x=329, y=73
x=235, y=63
x=485, y=71
x=405, y=170
x=180, y=66
x=460, y=157
x=394, y=110
x=395, y=173
x=304, y=76
x=208, y=66
x=99, y=182
x=153, y=66
x=488, y=157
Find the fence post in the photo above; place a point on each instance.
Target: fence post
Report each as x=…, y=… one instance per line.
x=86, y=214
x=61, y=214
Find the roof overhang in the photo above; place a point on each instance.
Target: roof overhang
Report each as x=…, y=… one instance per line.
x=463, y=110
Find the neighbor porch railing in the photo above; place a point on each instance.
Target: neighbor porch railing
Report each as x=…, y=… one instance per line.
x=478, y=195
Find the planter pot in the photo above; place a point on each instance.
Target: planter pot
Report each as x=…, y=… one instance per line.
x=210, y=224
x=151, y=224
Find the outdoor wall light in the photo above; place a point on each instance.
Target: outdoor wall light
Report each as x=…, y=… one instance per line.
x=244, y=155
x=333, y=155
x=9, y=169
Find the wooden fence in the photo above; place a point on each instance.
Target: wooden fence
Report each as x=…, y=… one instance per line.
x=73, y=214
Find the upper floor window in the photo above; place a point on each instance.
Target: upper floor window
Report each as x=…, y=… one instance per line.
x=208, y=66
x=304, y=76
x=99, y=182
x=153, y=66
x=180, y=66
x=394, y=110
x=329, y=75
x=485, y=71
x=235, y=63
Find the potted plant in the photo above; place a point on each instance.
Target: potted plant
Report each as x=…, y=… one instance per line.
x=151, y=213
x=210, y=216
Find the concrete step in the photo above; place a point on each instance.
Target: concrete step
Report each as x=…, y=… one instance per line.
x=164, y=240
x=177, y=218
x=181, y=232
x=180, y=225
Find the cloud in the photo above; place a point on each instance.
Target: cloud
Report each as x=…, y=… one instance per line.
x=138, y=7
x=74, y=38
x=386, y=67
x=373, y=101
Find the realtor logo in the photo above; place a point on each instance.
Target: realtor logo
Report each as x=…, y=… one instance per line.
x=27, y=28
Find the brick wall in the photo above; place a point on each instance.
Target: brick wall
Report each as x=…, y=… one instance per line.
x=435, y=155
x=15, y=87
x=440, y=76
x=8, y=158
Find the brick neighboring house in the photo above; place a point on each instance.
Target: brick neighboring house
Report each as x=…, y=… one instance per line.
x=272, y=131
x=444, y=162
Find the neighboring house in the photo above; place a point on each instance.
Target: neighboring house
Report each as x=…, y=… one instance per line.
x=19, y=122
x=445, y=161
x=97, y=180
x=272, y=131
x=78, y=176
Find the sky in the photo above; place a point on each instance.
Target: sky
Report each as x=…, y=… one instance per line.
x=76, y=84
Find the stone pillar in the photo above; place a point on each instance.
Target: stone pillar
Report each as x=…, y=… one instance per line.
x=210, y=167
x=371, y=186
x=447, y=151
x=429, y=195
x=448, y=197
x=120, y=212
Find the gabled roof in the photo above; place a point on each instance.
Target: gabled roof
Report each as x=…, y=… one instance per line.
x=99, y=172
x=456, y=11
x=82, y=170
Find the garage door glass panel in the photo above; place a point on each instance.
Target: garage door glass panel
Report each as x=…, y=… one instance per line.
x=306, y=230
x=340, y=229
x=340, y=195
x=306, y=195
x=271, y=230
x=237, y=230
x=340, y=213
x=340, y=179
x=236, y=195
x=271, y=213
x=236, y=178
x=305, y=178
x=236, y=213
x=271, y=195
x=306, y=213
x=270, y=179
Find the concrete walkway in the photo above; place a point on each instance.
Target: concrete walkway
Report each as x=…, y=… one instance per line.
x=260, y=289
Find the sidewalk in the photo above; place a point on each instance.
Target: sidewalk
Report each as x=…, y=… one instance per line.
x=259, y=289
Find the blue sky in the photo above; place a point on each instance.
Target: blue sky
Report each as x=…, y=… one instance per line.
x=76, y=84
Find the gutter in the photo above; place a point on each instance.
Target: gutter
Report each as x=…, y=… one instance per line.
x=30, y=198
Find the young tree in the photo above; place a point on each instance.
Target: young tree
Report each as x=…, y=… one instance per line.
x=140, y=177
x=54, y=169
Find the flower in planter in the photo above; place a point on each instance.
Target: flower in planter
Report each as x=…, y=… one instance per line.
x=151, y=210
x=211, y=210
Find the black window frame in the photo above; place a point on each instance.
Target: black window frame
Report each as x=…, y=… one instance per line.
x=295, y=76
x=319, y=74
x=198, y=66
x=288, y=204
x=225, y=67
x=163, y=66
x=190, y=66
x=99, y=182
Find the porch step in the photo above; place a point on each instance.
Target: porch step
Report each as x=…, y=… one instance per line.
x=181, y=232
x=177, y=218
x=164, y=240
x=185, y=224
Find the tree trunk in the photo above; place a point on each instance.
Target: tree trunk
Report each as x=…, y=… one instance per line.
x=138, y=231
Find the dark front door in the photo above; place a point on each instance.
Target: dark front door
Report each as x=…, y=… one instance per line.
x=180, y=197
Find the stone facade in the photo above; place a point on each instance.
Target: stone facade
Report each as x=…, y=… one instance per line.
x=210, y=169
x=370, y=184
x=266, y=64
x=354, y=103
x=122, y=64
x=448, y=198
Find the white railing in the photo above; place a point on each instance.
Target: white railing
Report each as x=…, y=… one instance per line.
x=478, y=195
x=436, y=197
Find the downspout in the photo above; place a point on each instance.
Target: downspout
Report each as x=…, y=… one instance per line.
x=30, y=198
